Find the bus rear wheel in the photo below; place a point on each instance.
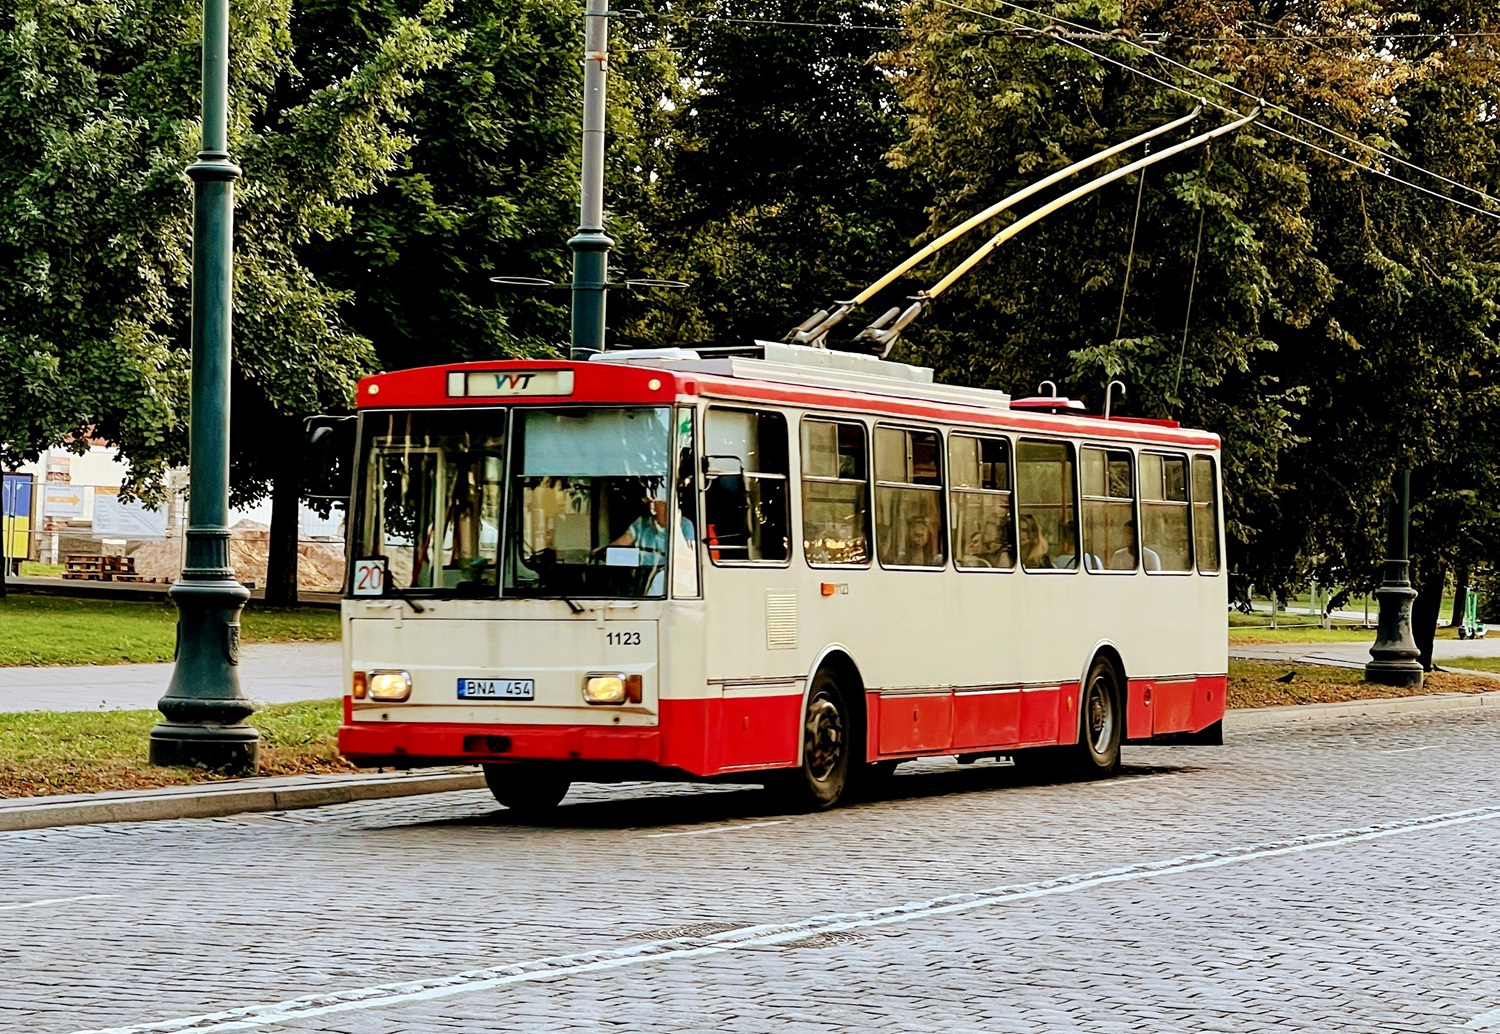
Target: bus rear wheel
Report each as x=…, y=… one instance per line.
x=1101, y=722
x=526, y=789
x=826, y=742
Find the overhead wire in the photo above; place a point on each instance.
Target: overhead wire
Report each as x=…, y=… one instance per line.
x=1281, y=109
x=1268, y=128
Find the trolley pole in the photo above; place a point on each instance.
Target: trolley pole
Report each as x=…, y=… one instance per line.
x=203, y=706
x=1394, y=655
x=591, y=244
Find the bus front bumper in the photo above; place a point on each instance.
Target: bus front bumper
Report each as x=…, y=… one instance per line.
x=411, y=744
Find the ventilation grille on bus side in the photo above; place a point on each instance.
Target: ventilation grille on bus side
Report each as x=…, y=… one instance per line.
x=781, y=621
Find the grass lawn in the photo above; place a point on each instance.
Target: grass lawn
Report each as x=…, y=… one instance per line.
x=51, y=752
x=38, y=630
x=1305, y=632
x=87, y=751
x=1477, y=663
x=1255, y=684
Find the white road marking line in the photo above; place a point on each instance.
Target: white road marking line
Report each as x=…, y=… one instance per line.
x=1408, y=750
x=55, y=901
x=379, y=996
x=1485, y=1021
x=1127, y=781
x=717, y=829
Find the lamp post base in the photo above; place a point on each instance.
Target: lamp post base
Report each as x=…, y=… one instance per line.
x=203, y=708
x=229, y=749
x=1394, y=656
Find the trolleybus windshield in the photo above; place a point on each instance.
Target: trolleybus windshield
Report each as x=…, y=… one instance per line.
x=587, y=511
x=430, y=499
x=590, y=503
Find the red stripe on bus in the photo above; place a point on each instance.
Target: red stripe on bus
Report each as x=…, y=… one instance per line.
x=718, y=735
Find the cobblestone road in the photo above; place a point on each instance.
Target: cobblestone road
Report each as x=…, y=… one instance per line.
x=1339, y=877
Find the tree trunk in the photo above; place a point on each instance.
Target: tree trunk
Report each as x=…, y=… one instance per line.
x=281, y=564
x=1460, y=593
x=1427, y=608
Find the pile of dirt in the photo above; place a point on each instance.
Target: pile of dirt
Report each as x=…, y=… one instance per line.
x=320, y=562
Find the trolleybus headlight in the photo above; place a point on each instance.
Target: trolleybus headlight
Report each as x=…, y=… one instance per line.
x=390, y=685
x=604, y=689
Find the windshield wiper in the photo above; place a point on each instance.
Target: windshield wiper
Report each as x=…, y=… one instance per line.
x=575, y=608
x=400, y=594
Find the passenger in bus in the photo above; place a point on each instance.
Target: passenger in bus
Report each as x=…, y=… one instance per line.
x=1068, y=533
x=985, y=549
x=1123, y=559
x=1035, y=550
x=921, y=547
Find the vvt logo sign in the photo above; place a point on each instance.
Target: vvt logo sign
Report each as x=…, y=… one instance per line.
x=510, y=382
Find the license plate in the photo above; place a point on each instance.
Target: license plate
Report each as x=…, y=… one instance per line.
x=497, y=689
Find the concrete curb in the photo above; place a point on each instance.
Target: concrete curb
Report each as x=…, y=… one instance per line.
x=1296, y=714
x=243, y=796
x=212, y=800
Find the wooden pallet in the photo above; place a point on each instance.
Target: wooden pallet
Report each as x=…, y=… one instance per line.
x=88, y=567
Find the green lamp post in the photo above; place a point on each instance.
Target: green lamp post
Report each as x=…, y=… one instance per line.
x=203, y=706
x=1393, y=657
x=591, y=244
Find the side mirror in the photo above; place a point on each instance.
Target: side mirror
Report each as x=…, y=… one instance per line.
x=329, y=474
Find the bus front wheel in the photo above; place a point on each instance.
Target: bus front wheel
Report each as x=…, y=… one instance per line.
x=826, y=742
x=526, y=789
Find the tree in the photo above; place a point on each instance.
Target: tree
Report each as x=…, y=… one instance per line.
x=774, y=194
x=1328, y=307
x=489, y=187
x=102, y=106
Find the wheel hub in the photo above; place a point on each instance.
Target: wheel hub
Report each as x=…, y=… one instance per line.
x=824, y=739
x=1100, y=715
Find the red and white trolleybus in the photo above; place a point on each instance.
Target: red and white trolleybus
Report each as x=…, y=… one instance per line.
x=796, y=566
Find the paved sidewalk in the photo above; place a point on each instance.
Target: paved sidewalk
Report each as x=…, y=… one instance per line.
x=270, y=673
x=1354, y=655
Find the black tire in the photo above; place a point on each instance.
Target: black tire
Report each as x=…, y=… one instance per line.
x=1101, y=722
x=819, y=782
x=526, y=789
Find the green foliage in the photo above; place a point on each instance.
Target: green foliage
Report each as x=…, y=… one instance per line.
x=100, y=105
x=489, y=188
x=774, y=194
x=1341, y=326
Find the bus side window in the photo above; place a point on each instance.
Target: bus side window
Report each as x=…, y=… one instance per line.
x=835, y=494
x=746, y=459
x=909, y=498
x=1205, y=515
x=1047, y=497
x=979, y=480
x=1166, y=539
x=1109, y=540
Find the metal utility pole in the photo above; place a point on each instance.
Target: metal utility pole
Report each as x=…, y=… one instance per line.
x=1394, y=655
x=203, y=706
x=591, y=245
